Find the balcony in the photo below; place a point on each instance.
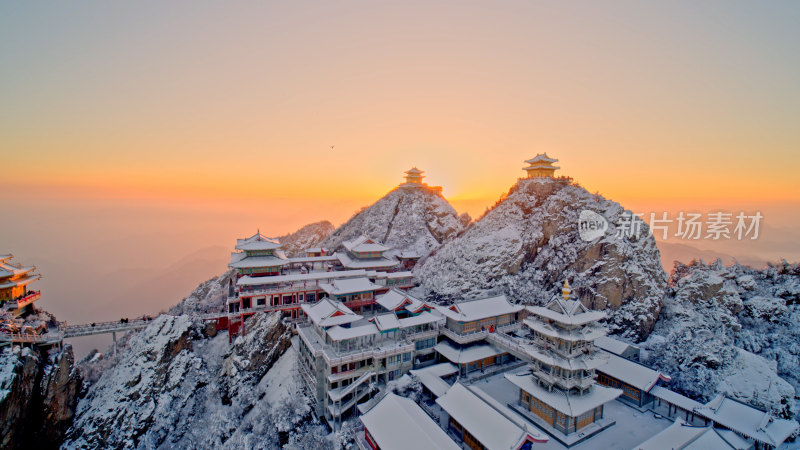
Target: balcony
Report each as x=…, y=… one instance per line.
x=562, y=351
x=562, y=382
x=466, y=338
x=359, y=303
x=335, y=358
x=298, y=286
x=266, y=308
x=352, y=373
x=25, y=300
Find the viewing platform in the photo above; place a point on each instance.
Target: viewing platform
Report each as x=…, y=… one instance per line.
x=25, y=300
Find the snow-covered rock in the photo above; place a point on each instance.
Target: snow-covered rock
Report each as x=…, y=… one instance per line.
x=175, y=386
x=38, y=395
x=294, y=244
x=732, y=330
x=208, y=297
x=413, y=219
x=529, y=242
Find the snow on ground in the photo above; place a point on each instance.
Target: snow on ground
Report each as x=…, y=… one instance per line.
x=281, y=382
x=633, y=427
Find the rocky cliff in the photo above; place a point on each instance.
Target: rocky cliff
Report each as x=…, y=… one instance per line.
x=414, y=219
x=38, y=396
x=179, y=384
x=529, y=242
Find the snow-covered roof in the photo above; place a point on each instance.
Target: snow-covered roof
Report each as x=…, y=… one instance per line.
x=541, y=166
x=635, y=374
x=440, y=370
x=586, y=361
x=396, y=298
x=343, y=286
x=587, y=333
x=395, y=275
x=538, y=435
x=24, y=281
x=316, y=250
x=386, y=322
x=414, y=171
x=364, y=244
x=327, y=312
x=258, y=281
x=486, y=424
x=748, y=421
x=674, y=398
x=397, y=423
x=431, y=377
x=256, y=261
x=680, y=435
x=541, y=157
x=466, y=354
x=612, y=345
x=371, y=263
x=571, y=405
x=339, y=333
x=420, y=319
x=6, y=257
x=471, y=310
x=567, y=313
x=257, y=242
x=7, y=270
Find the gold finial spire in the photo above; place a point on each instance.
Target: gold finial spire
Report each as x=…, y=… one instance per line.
x=565, y=291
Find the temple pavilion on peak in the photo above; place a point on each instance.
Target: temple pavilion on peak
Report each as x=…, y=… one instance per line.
x=15, y=294
x=541, y=166
x=414, y=178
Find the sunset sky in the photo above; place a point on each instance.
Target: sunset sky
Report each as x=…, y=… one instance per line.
x=171, y=126
x=681, y=101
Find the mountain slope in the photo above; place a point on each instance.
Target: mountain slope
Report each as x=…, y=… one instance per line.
x=294, y=244
x=528, y=244
x=413, y=219
x=734, y=330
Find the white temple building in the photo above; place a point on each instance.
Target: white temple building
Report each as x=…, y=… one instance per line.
x=560, y=392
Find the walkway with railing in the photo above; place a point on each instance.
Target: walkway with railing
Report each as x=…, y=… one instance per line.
x=510, y=345
x=90, y=329
x=65, y=331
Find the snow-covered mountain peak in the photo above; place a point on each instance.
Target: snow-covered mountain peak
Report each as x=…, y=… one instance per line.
x=416, y=219
x=529, y=242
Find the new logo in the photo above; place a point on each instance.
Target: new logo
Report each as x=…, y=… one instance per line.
x=591, y=225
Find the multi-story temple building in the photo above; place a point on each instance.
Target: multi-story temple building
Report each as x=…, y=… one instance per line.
x=561, y=391
x=344, y=355
x=267, y=280
x=15, y=293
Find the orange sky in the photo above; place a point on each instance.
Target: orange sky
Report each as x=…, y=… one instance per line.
x=679, y=105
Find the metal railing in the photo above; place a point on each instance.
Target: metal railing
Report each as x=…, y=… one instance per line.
x=25, y=300
x=509, y=344
x=103, y=328
x=465, y=338
x=338, y=394
x=26, y=338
